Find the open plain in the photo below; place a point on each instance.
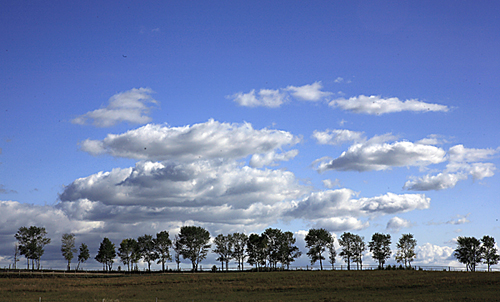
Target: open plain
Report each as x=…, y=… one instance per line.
x=247, y=286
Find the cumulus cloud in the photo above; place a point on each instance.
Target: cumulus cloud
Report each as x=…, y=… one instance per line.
x=395, y=224
x=378, y=105
x=264, y=98
x=462, y=163
x=210, y=140
x=341, y=204
x=310, y=92
x=270, y=158
x=430, y=254
x=460, y=219
x=187, y=185
x=376, y=155
x=337, y=136
x=328, y=183
x=129, y=106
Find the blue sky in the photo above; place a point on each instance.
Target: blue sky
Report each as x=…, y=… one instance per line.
x=369, y=116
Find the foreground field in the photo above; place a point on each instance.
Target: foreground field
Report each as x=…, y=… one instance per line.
x=273, y=286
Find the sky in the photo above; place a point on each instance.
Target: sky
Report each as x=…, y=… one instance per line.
x=119, y=120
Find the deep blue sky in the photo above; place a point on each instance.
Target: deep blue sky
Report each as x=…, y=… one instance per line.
x=276, y=86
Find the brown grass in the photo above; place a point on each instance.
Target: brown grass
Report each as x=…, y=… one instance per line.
x=271, y=286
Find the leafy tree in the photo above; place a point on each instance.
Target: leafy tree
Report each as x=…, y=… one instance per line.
x=239, y=243
x=16, y=255
x=194, y=244
x=256, y=250
x=288, y=250
x=406, y=249
x=147, y=249
x=224, y=248
x=273, y=237
x=469, y=252
x=176, y=246
x=359, y=248
x=490, y=254
x=127, y=250
x=317, y=241
x=106, y=254
x=348, y=243
x=380, y=246
x=68, y=247
x=162, y=247
x=84, y=254
x=32, y=241
x=332, y=252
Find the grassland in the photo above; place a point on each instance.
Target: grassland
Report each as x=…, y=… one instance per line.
x=270, y=286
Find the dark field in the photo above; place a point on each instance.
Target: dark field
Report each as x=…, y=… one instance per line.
x=270, y=286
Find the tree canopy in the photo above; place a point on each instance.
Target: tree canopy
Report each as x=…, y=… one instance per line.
x=380, y=246
x=68, y=247
x=406, y=249
x=194, y=244
x=317, y=241
x=32, y=241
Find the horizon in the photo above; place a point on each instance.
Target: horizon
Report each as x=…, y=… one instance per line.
x=372, y=116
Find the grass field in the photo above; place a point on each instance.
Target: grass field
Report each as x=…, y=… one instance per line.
x=271, y=286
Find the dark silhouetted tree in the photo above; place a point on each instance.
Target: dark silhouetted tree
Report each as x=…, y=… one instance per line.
x=256, y=250
x=194, y=244
x=359, y=248
x=162, y=247
x=469, y=252
x=239, y=243
x=288, y=250
x=147, y=249
x=176, y=246
x=332, y=252
x=380, y=246
x=347, y=241
x=84, y=255
x=490, y=254
x=223, y=248
x=106, y=254
x=32, y=241
x=127, y=250
x=317, y=241
x=68, y=248
x=406, y=249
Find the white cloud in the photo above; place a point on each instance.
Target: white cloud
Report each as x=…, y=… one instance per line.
x=377, y=105
x=186, y=185
x=462, y=162
x=310, y=92
x=460, y=219
x=432, y=139
x=265, y=98
x=339, y=203
x=437, y=182
x=129, y=106
x=395, y=224
x=337, y=136
x=430, y=254
x=339, y=224
x=375, y=155
x=270, y=158
x=328, y=183
x=210, y=140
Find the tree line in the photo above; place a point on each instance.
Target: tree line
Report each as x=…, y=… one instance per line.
x=273, y=249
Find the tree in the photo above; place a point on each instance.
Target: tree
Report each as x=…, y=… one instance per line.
x=406, y=249
x=317, y=241
x=332, y=253
x=224, y=248
x=380, y=246
x=162, y=247
x=469, y=252
x=147, y=249
x=347, y=241
x=239, y=243
x=176, y=246
x=84, y=254
x=359, y=248
x=256, y=250
x=106, y=254
x=32, y=241
x=127, y=250
x=288, y=250
x=490, y=254
x=194, y=244
x=16, y=255
x=273, y=237
x=68, y=247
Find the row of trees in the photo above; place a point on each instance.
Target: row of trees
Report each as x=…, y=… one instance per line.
x=268, y=250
